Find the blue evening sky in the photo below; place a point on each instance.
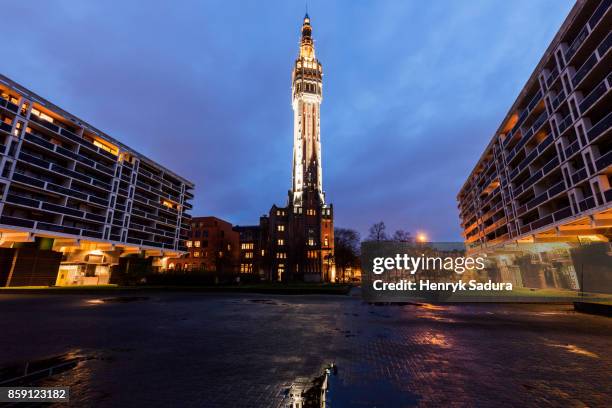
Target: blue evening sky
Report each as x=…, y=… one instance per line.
x=413, y=91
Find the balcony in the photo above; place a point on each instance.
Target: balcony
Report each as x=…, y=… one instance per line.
x=600, y=127
x=584, y=33
x=554, y=74
x=28, y=180
x=58, y=228
x=558, y=99
x=562, y=214
x=605, y=45
x=587, y=204
x=579, y=176
x=572, y=149
x=17, y=199
x=584, y=69
x=604, y=161
x=8, y=105
x=17, y=222
x=565, y=123
x=592, y=97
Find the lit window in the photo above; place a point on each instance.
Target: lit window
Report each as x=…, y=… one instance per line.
x=247, y=245
x=281, y=255
x=246, y=268
x=311, y=211
x=312, y=254
x=311, y=242
x=220, y=254
x=42, y=115
x=280, y=227
x=263, y=252
x=326, y=241
x=106, y=147
x=196, y=244
x=248, y=255
x=280, y=242
x=189, y=244
x=196, y=254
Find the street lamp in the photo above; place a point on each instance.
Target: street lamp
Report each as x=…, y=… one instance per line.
x=421, y=237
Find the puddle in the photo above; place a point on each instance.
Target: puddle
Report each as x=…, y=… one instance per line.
x=330, y=390
x=118, y=299
x=30, y=372
x=263, y=301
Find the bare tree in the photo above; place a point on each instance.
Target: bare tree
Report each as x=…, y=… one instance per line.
x=378, y=232
x=402, y=236
x=346, y=248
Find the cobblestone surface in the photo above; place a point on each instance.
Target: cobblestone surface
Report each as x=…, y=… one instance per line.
x=245, y=350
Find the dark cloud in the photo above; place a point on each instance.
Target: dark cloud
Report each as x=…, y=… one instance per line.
x=413, y=92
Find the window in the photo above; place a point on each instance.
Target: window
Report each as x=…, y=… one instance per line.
x=189, y=244
x=311, y=211
x=220, y=254
x=196, y=254
x=326, y=241
x=281, y=255
x=280, y=227
x=248, y=255
x=263, y=252
x=280, y=242
x=311, y=242
x=312, y=254
x=246, y=268
x=247, y=245
x=196, y=244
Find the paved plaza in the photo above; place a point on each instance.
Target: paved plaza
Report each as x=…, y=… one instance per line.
x=209, y=350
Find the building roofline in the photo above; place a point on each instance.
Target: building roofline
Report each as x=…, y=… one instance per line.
x=79, y=122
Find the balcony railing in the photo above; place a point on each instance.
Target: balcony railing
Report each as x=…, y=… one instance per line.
x=604, y=161
x=551, y=77
x=584, y=33
x=9, y=105
x=600, y=127
x=579, y=175
x=18, y=222
x=558, y=99
x=572, y=149
x=605, y=45
x=587, y=204
x=593, y=96
x=565, y=123
x=599, y=13
x=584, y=69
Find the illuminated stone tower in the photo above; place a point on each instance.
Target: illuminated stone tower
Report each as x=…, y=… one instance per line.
x=297, y=241
x=307, y=92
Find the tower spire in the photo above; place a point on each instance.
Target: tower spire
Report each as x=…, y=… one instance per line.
x=307, y=96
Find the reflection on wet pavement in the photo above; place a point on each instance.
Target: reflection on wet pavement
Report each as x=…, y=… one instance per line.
x=245, y=350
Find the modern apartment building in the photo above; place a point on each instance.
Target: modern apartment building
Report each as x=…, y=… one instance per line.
x=546, y=175
x=68, y=188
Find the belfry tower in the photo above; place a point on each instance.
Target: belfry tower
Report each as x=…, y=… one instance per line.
x=307, y=94
x=297, y=241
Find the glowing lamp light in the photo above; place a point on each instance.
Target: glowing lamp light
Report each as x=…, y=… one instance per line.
x=421, y=237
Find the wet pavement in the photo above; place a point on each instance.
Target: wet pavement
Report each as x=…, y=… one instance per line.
x=208, y=350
